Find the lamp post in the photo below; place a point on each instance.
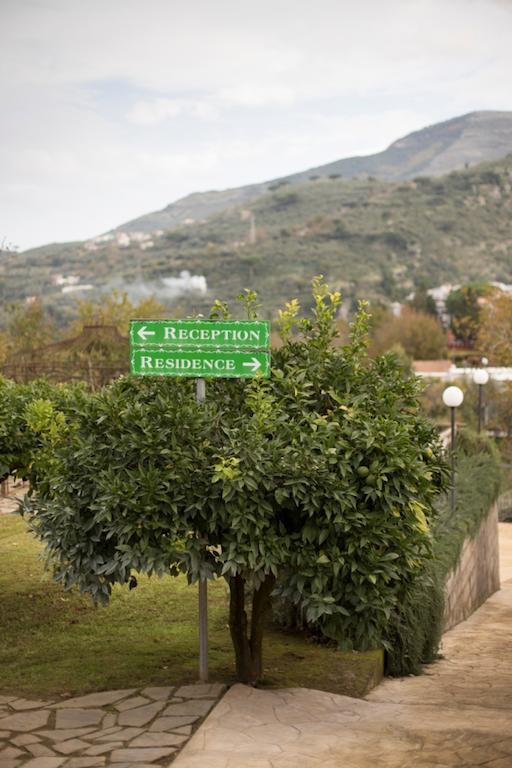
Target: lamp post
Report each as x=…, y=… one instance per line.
x=453, y=397
x=480, y=377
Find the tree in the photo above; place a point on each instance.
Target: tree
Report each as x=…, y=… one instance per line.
x=423, y=302
x=317, y=484
x=463, y=305
x=420, y=335
x=501, y=409
x=27, y=328
x=117, y=309
x=495, y=333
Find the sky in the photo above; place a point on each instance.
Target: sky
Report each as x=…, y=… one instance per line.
x=114, y=108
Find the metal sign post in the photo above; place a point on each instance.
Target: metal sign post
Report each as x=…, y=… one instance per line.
x=198, y=349
x=203, y=584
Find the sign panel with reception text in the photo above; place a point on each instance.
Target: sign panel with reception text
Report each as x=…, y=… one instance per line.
x=206, y=334
x=200, y=348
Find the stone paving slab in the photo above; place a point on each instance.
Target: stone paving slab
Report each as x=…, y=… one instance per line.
x=157, y=693
x=141, y=715
x=121, y=728
x=94, y=699
x=23, y=704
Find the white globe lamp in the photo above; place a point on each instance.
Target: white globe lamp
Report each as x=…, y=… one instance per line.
x=480, y=377
x=453, y=397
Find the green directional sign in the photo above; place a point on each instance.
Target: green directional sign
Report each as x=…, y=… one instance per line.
x=200, y=349
x=199, y=363
x=205, y=334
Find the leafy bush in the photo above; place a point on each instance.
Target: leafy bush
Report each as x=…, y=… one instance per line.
x=282, y=200
x=323, y=477
x=417, y=624
x=21, y=439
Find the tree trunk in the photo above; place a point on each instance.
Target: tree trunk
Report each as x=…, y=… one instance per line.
x=248, y=647
x=238, y=627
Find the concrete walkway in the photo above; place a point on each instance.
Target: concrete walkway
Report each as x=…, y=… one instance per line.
x=457, y=715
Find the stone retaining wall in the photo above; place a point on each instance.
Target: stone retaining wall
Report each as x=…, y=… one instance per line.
x=476, y=576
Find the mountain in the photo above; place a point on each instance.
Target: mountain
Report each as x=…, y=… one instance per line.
x=370, y=238
x=433, y=151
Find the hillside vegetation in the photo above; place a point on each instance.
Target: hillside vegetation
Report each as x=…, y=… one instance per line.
x=432, y=151
x=370, y=238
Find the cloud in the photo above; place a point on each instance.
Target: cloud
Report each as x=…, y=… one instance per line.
x=155, y=110
x=160, y=109
x=248, y=95
x=111, y=109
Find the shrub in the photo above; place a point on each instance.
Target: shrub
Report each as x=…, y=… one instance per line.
x=323, y=477
x=20, y=440
x=415, y=631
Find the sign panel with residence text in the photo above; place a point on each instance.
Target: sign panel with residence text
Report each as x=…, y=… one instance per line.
x=199, y=363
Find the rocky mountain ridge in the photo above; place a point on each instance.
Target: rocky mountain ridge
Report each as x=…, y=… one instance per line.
x=451, y=145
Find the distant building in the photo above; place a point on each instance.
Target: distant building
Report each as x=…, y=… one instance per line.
x=75, y=288
x=63, y=280
x=440, y=294
x=447, y=371
x=432, y=368
x=123, y=240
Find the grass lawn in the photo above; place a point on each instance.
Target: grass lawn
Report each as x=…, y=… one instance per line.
x=54, y=642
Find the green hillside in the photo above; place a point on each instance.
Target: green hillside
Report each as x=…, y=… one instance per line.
x=438, y=149
x=370, y=238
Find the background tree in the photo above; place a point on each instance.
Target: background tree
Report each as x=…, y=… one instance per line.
x=500, y=416
x=116, y=308
x=27, y=327
x=423, y=302
x=495, y=332
x=464, y=306
x=420, y=335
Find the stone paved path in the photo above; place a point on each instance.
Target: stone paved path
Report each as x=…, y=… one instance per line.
x=120, y=728
x=457, y=715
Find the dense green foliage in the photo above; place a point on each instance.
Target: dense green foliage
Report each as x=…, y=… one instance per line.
x=418, y=334
x=31, y=417
x=371, y=239
x=416, y=627
x=324, y=476
x=463, y=306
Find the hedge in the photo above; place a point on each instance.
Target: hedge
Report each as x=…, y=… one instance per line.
x=416, y=628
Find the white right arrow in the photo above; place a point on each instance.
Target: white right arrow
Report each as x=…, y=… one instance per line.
x=143, y=332
x=254, y=364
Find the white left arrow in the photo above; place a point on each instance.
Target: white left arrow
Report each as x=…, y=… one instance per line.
x=254, y=364
x=142, y=332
